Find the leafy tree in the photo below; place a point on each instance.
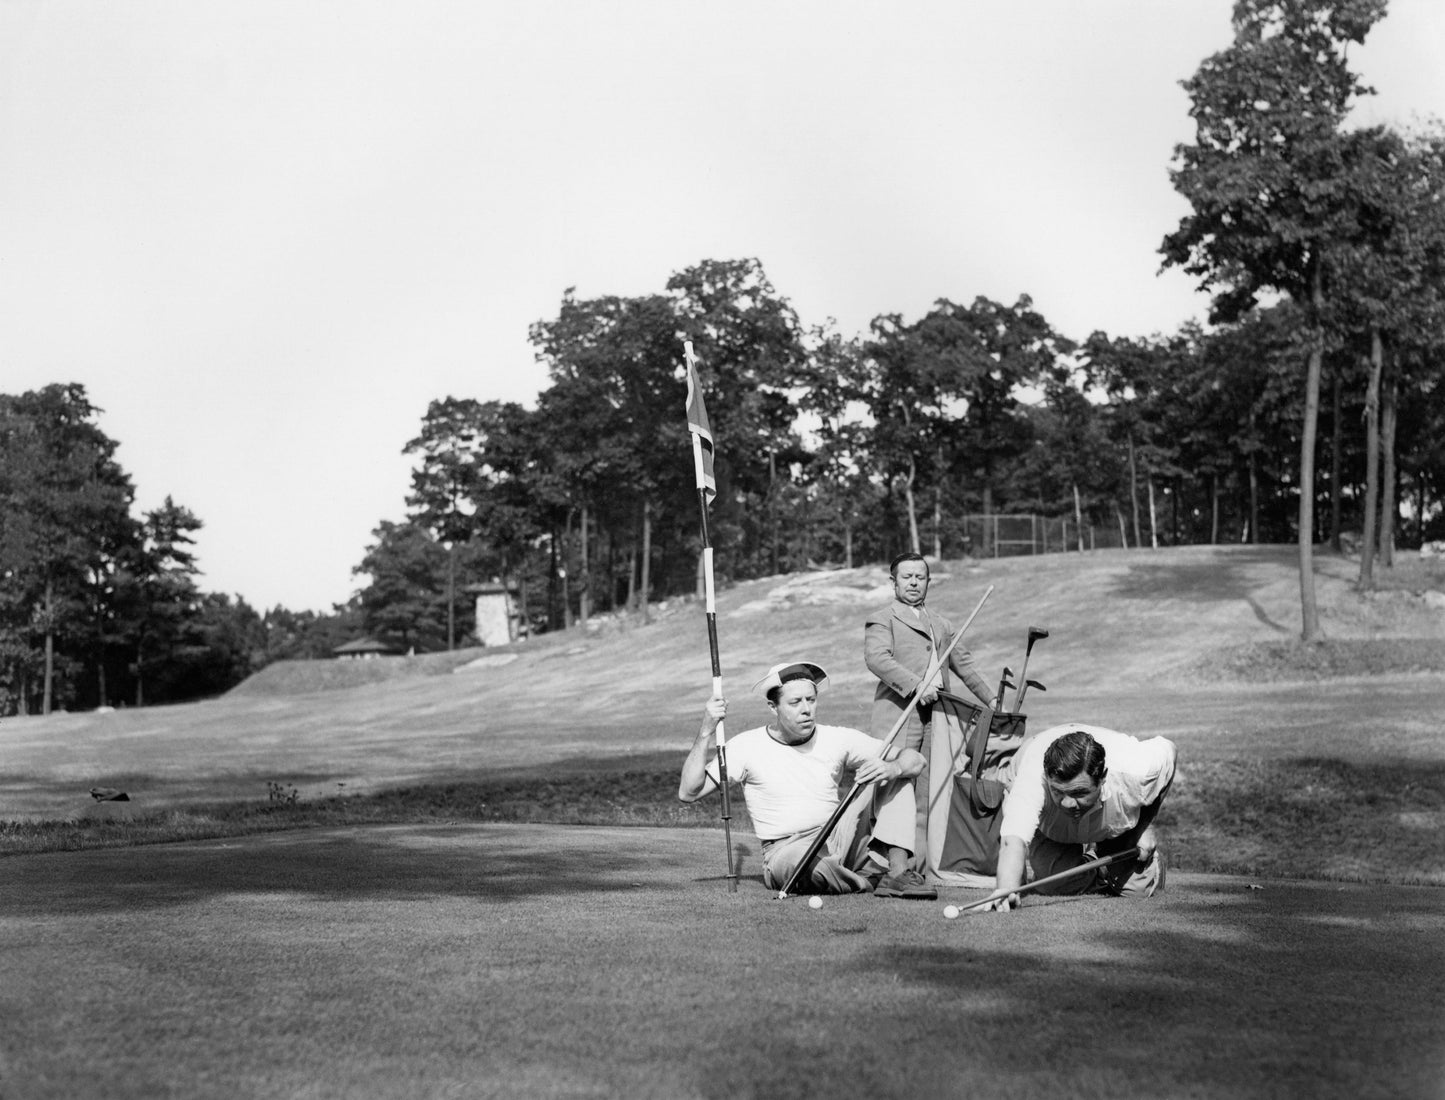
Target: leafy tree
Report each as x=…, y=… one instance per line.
x=1267, y=179
x=405, y=601
x=64, y=519
x=614, y=368
x=752, y=360
x=163, y=604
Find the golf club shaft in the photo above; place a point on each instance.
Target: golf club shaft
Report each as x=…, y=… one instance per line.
x=1035, y=634
x=1030, y=887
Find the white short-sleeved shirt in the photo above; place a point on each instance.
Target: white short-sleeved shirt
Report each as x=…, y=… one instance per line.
x=792, y=788
x=1136, y=773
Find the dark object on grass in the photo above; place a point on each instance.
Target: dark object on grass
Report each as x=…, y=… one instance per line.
x=108, y=794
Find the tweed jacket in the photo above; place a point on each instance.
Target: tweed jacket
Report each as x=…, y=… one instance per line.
x=897, y=646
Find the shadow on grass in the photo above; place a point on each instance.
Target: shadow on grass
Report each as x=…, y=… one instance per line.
x=361, y=865
x=1209, y=991
x=1226, y=578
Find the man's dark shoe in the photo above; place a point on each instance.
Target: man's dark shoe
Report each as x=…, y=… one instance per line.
x=909, y=885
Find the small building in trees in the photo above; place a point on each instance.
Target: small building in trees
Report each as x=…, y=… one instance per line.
x=365, y=648
x=498, y=621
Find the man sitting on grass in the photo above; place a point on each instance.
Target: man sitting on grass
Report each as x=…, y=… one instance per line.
x=791, y=770
x=1078, y=792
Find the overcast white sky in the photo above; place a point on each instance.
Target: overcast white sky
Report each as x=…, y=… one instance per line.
x=264, y=235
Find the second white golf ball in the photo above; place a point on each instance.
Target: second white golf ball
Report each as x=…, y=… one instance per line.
x=815, y=902
x=950, y=911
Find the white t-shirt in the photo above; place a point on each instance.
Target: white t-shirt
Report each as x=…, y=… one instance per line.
x=791, y=788
x=1136, y=773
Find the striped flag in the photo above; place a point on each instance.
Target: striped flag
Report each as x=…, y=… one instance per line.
x=697, y=424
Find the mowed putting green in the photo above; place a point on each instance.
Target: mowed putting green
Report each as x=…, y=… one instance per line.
x=546, y=961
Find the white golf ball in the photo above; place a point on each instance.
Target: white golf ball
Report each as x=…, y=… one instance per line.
x=950, y=911
x=815, y=902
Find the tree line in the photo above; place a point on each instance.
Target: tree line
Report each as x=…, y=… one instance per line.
x=1308, y=410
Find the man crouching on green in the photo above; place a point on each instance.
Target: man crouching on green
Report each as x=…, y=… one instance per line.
x=791, y=770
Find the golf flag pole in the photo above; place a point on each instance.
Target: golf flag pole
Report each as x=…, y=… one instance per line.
x=702, y=454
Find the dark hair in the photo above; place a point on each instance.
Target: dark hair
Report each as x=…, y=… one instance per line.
x=1074, y=754
x=909, y=556
x=787, y=676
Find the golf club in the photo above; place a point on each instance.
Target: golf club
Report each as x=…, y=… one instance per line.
x=1030, y=887
x=1004, y=683
x=1035, y=634
x=1024, y=690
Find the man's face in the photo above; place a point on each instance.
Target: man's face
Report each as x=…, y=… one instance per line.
x=797, y=700
x=910, y=583
x=1076, y=796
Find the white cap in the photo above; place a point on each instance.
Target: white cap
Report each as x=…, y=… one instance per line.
x=794, y=670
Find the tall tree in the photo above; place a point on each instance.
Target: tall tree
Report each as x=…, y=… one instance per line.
x=64, y=515
x=1266, y=177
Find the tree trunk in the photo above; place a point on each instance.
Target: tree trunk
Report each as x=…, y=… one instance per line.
x=1389, y=508
x=1079, y=517
x=1309, y=610
x=632, y=574
x=584, y=601
x=1123, y=533
x=647, y=556
x=1214, y=509
x=1253, y=486
x=1337, y=442
x=451, y=595
x=913, y=541
x=1153, y=525
x=49, y=648
x=567, y=571
x=1134, y=489
x=848, y=545
x=773, y=524
x=1372, y=461
x=938, y=509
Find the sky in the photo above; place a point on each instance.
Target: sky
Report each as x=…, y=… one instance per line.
x=266, y=235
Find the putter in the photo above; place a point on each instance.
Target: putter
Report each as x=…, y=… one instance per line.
x=1029, y=684
x=1035, y=634
x=1030, y=887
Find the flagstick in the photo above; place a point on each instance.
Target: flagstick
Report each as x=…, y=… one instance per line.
x=722, y=756
x=711, y=604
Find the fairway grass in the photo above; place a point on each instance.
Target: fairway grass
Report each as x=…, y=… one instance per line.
x=549, y=961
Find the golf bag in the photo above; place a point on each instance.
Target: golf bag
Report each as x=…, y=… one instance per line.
x=969, y=753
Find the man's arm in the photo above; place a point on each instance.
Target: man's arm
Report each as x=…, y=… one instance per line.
x=1012, y=851
x=878, y=655
x=961, y=661
x=696, y=782
x=1159, y=755
x=904, y=764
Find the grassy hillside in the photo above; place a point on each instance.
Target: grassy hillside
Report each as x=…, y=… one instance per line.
x=1195, y=642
